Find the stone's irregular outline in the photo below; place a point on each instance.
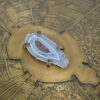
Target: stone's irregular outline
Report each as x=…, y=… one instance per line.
x=55, y=56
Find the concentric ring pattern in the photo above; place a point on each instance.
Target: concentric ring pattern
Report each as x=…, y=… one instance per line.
x=79, y=18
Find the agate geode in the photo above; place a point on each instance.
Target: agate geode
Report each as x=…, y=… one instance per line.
x=44, y=49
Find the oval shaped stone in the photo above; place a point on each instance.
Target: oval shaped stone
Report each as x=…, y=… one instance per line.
x=44, y=49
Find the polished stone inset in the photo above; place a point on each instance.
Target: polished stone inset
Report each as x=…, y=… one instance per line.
x=46, y=50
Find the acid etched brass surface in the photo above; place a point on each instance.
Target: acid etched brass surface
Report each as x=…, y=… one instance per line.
x=79, y=18
x=38, y=69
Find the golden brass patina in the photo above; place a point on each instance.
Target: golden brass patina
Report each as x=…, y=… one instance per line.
x=75, y=24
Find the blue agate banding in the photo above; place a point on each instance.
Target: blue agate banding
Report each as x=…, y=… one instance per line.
x=44, y=49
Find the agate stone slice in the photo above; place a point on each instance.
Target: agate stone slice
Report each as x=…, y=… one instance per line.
x=44, y=49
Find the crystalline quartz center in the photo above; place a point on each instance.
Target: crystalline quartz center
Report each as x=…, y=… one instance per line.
x=44, y=49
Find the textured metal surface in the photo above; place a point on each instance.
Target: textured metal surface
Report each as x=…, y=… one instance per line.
x=81, y=18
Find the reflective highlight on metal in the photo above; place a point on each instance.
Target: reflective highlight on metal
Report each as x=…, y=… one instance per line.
x=44, y=49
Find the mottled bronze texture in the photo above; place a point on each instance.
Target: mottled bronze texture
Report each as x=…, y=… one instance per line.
x=79, y=18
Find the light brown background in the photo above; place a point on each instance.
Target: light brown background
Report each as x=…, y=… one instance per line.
x=81, y=19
